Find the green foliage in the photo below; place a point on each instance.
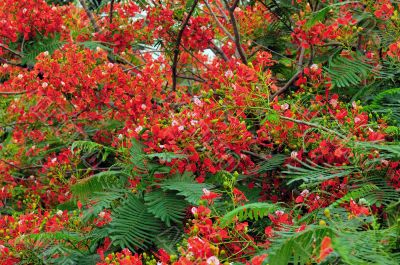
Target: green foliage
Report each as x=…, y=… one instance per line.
x=186, y=186
x=322, y=13
x=273, y=163
x=361, y=192
x=34, y=48
x=93, y=45
x=367, y=247
x=346, y=72
x=102, y=200
x=99, y=182
x=133, y=226
x=168, y=206
x=387, y=102
x=252, y=211
x=89, y=148
x=167, y=156
x=293, y=247
x=312, y=174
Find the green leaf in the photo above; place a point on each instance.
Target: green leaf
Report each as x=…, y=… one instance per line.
x=133, y=226
x=291, y=247
x=168, y=206
x=186, y=186
x=167, y=156
x=320, y=15
x=252, y=211
x=34, y=48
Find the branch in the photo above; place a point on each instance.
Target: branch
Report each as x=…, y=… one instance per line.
x=239, y=47
x=286, y=86
x=10, y=50
x=294, y=77
x=301, y=58
x=178, y=43
x=217, y=50
x=254, y=155
x=222, y=11
x=90, y=16
x=234, y=5
x=13, y=93
x=218, y=22
x=276, y=15
x=194, y=78
x=313, y=125
x=12, y=63
x=111, y=11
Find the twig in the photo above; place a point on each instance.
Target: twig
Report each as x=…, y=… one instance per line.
x=254, y=155
x=313, y=125
x=18, y=167
x=10, y=50
x=301, y=58
x=12, y=93
x=222, y=11
x=218, y=22
x=276, y=15
x=231, y=10
x=286, y=86
x=194, y=78
x=294, y=77
x=111, y=11
x=178, y=43
x=217, y=50
x=90, y=16
x=14, y=64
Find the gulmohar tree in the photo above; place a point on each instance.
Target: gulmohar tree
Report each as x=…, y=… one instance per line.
x=199, y=132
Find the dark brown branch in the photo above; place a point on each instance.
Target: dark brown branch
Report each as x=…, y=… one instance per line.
x=111, y=11
x=217, y=50
x=194, y=78
x=234, y=5
x=178, y=44
x=294, y=77
x=90, y=16
x=286, y=86
x=231, y=10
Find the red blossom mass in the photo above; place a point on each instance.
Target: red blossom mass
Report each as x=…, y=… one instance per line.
x=199, y=132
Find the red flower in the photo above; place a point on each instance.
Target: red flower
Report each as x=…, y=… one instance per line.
x=326, y=248
x=209, y=196
x=358, y=210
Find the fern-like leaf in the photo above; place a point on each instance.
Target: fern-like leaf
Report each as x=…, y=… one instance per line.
x=293, y=247
x=99, y=201
x=186, y=186
x=33, y=49
x=101, y=181
x=168, y=206
x=312, y=174
x=252, y=211
x=387, y=102
x=89, y=147
x=345, y=72
x=133, y=226
x=367, y=247
x=361, y=192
